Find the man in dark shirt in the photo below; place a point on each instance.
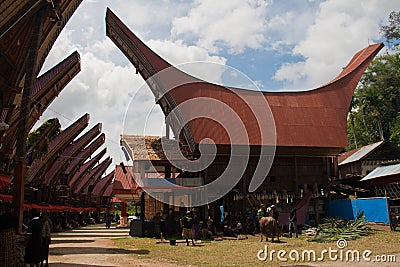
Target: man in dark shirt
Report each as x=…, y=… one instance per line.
x=293, y=223
x=157, y=219
x=187, y=224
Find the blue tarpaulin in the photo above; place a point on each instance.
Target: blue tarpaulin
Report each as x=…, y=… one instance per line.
x=375, y=209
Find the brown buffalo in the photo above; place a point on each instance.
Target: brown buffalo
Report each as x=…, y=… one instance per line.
x=269, y=227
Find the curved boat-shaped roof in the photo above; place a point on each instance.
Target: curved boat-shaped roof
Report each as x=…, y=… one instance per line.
x=84, y=170
x=84, y=154
x=94, y=174
x=102, y=184
x=69, y=153
x=41, y=165
x=47, y=87
x=310, y=119
x=16, y=26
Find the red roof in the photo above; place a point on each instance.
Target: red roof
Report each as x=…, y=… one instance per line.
x=314, y=118
x=123, y=181
x=108, y=191
x=102, y=185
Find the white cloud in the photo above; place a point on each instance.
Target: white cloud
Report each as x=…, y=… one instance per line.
x=189, y=58
x=236, y=24
x=105, y=85
x=188, y=31
x=64, y=47
x=341, y=28
x=288, y=28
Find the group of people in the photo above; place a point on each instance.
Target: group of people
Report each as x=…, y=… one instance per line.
x=38, y=239
x=238, y=226
x=195, y=227
x=37, y=229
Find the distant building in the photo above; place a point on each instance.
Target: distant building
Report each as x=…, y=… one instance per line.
x=385, y=181
x=360, y=162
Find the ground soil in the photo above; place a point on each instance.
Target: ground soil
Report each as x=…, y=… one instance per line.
x=93, y=246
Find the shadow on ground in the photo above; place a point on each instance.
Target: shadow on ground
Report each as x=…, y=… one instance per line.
x=95, y=250
x=77, y=235
x=77, y=265
x=63, y=241
x=105, y=231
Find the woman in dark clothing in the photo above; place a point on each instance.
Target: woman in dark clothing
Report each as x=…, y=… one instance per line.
x=33, y=249
x=170, y=223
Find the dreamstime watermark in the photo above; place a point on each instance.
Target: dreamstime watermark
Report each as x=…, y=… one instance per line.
x=338, y=253
x=224, y=115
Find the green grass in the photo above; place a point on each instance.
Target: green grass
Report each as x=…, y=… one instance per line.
x=244, y=252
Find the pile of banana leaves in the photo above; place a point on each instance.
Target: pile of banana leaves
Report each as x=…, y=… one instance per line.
x=333, y=229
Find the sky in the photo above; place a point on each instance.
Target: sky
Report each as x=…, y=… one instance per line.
x=279, y=45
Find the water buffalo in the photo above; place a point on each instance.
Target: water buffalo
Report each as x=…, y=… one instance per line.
x=269, y=227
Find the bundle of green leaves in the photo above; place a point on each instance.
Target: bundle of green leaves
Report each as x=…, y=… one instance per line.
x=333, y=229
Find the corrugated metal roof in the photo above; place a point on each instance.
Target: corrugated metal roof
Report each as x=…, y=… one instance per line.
x=360, y=153
x=382, y=172
x=314, y=118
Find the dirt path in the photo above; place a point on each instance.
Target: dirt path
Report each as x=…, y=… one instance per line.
x=92, y=246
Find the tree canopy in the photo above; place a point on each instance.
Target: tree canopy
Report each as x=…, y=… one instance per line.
x=375, y=110
x=391, y=32
x=37, y=140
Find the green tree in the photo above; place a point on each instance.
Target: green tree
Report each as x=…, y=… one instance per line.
x=37, y=140
x=395, y=130
x=375, y=110
x=392, y=31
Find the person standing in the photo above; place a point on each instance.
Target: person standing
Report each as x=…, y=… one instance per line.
x=107, y=219
x=293, y=223
x=46, y=239
x=157, y=219
x=261, y=212
x=170, y=223
x=187, y=224
x=33, y=249
x=392, y=220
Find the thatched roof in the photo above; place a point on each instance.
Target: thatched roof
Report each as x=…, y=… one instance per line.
x=152, y=147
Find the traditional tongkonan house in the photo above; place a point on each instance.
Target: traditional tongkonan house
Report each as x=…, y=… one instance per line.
x=303, y=132
x=28, y=31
